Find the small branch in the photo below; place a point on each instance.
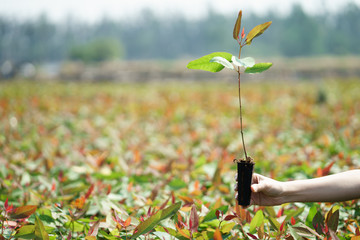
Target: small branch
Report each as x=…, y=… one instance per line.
x=240, y=110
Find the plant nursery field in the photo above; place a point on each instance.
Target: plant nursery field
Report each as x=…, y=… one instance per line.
x=155, y=160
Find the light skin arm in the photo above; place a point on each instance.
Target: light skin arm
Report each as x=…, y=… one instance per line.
x=333, y=188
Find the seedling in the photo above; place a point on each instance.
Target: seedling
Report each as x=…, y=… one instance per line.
x=217, y=61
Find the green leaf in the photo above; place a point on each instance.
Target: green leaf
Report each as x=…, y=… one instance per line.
x=23, y=212
x=256, y=221
x=212, y=214
x=90, y=238
x=168, y=212
x=294, y=213
x=40, y=232
x=258, y=68
x=274, y=223
x=237, y=26
x=74, y=226
x=318, y=222
x=171, y=231
x=226, y=227
x=147, y=225
x=26, y=232
x=151, y=222
x=311, y=215
x=256, y=31
x=305, y=231
x=46, y=219
x=243, y=62
x=223, y=62
x=333, y=221
x=177, y=184
x=270, y=211
x=294, y=234
x=204, y=63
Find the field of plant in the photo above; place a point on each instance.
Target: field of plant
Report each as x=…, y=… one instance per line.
x=155, y=160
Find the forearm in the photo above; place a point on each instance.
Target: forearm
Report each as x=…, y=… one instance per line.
x=337, y=187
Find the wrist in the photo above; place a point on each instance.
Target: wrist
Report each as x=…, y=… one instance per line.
x=292, y=191
x=283, y=193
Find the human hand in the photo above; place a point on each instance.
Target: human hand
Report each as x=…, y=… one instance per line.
x=265, y=191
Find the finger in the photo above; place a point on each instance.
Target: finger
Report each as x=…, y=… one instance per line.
x=256, y=178
x=236, y=176
x=256, y=188
x=235, y=187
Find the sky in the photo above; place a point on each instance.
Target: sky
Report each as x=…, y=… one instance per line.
x=92, y=11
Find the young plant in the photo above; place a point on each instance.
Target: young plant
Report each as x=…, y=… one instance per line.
x=217, y=61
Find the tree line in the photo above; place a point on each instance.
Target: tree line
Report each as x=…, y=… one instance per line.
x=153, y=37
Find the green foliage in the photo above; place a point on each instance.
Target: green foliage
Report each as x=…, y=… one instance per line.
x=257, y=221
x=257, y=31
x=215, y=62
x=97, y=51
x=258, y=68
x=63, y=138
x=40, y=232
x=205, y=63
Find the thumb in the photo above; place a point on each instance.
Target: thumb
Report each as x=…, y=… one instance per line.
x=257, y=187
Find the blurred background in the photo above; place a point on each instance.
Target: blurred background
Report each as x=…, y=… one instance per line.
x=142, y=40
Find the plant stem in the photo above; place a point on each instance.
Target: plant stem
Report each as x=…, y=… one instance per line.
x=240, y=110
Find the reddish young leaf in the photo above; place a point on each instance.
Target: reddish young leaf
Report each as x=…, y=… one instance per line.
x=327, y=169
x=23, y=212
x=116, y=216
x=172, y=198
x=61, y=176
x=88, y=193
x=127, y=222
x=217, y=235
x=217, y=213
x=79, y=202
x=6, y=203
x=282, y=226
x=194, y=219
x=182, y=232
x=357, y=231
x=186, y=199
x=243, y=33
x=166, y=230
x=8, y=209
x=93, y=231
x=252, y=236
x=293, y=221
x=108, y=190
x=180, y=221
x=280, y=212
x=164, y=204
x=53, y=186
x=229, y=217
